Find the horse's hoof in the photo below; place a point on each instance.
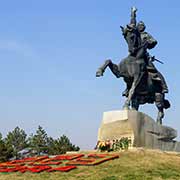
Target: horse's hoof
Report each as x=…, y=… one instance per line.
x=159, y=122
x=99, y=73
x=125, y=93
x=134, y=109
x=125, y=107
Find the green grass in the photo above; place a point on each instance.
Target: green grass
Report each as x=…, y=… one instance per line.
x=132, y=165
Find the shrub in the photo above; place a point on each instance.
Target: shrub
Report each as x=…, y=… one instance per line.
x=114, y=145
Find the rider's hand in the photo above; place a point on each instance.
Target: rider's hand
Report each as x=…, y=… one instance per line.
x=134, y=9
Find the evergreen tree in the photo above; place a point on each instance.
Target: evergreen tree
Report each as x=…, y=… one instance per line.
x=6, y=151
x=61, y=145
x=39, y=141
x=17, y=139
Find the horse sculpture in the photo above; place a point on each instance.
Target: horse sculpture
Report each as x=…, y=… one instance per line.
x=143, y=88
x=138, y=71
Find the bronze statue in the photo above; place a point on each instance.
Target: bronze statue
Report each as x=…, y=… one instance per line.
x=145, y=84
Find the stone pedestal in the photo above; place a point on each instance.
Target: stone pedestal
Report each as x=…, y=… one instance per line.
x=140, y=128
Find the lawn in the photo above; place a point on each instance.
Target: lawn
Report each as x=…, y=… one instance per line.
x=139, y=164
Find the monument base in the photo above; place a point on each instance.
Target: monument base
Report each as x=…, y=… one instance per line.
x=140, y=128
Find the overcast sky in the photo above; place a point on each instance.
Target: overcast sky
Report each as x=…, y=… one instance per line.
x=50, y=51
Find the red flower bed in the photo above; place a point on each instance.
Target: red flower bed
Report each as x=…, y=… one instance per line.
x=23, y=169
x=16, y=161
x=11, y=165
x=38, y=169
x=82, y=162
x=98, y=155
x=4, y=170
x=46, y=160
x=32, y=159
x=67, y=157
x=105, y=159
x=44, y=163
x=30, y=163
x=47, y=163
x=63, y=168
x=40, y=158
x=92, y=161
x=87, y=160
x=14, y=169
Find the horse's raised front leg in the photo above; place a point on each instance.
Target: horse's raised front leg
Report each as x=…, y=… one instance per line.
x=102, y=68
x=113, y=68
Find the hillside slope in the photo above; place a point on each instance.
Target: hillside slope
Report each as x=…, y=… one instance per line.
x=138, y=164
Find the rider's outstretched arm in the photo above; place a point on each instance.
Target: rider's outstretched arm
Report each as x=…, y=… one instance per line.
x=132, y=23
x=133, y=16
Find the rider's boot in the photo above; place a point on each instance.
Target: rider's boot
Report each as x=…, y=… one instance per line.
x=159, y=78
x=163, y=83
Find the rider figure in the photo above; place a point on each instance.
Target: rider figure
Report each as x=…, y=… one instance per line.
x=149, y=43
x=139, y=42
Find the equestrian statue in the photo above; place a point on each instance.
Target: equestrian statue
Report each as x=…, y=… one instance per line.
x=145, y=84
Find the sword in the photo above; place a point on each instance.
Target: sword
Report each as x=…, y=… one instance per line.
x=154, y=59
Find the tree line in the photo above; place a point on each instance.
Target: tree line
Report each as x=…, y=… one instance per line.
x=36, y=144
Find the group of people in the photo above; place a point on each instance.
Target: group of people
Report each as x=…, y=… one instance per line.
x=139, y=42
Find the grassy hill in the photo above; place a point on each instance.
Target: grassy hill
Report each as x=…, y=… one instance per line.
x=138, y=164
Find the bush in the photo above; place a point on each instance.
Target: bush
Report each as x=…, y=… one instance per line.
x=114, y=145
x=122, y=144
